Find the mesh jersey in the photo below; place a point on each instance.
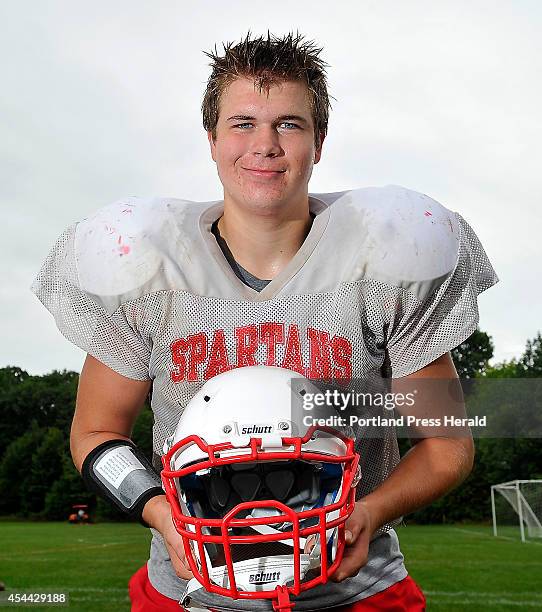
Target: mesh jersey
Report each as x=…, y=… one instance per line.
x=385, y=282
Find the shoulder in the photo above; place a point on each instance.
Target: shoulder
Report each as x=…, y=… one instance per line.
x=402, y=236
x=122, y=246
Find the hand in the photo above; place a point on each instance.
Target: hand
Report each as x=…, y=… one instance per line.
x=157, y=514
x=358, y=532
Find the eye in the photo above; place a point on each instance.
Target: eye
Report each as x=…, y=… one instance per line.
x=288, y=125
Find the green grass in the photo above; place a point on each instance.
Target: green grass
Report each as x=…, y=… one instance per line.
x=91, y=562
x=464, y=566
x=458, y=567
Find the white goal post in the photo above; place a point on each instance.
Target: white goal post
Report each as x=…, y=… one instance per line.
x=525, y=497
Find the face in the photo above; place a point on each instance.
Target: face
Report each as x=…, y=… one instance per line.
x=264, y=148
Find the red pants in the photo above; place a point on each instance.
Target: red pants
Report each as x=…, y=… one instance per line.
x=403, y=596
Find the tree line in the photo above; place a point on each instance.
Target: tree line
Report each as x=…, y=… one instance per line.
x=38, y=479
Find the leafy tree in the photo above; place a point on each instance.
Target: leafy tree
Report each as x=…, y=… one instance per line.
x=506, y=369
x=530, y=363
x=37, y=476
x=11, y=376
x=45, y=400
x=45, y=469
x=142, y=433
x=11, y=381
x=498, y=459
x=66, y=491
x=14, y=472
x=471, y=357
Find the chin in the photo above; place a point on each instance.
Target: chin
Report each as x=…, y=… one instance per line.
x=263, y=198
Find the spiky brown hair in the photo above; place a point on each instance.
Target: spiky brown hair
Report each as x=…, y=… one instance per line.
x=269, y=61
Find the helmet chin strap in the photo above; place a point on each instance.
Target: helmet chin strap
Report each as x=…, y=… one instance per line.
x=253, y=574
x=281, y=604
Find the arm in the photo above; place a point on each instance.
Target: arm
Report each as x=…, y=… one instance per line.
x=106, y=409
x=430, y=469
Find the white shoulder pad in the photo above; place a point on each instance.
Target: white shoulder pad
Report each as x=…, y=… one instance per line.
x=116, y=248
x=409, y=237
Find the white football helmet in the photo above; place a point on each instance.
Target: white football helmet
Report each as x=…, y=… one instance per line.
x=259, y=498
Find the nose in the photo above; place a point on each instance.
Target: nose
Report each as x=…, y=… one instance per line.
x=265, y=142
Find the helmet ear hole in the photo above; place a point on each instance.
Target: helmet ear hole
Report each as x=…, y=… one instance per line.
x=280, y=483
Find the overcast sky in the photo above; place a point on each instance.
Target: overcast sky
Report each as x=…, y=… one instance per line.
x=102, y=100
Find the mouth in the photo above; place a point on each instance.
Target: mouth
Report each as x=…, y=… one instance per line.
x=263, y=172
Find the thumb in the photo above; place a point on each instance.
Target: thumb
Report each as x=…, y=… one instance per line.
x=351, y=532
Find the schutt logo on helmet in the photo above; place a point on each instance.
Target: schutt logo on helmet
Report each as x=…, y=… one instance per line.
x=256, y=429
x=264, y=577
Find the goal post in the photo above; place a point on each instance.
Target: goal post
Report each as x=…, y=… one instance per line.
x=524, y=497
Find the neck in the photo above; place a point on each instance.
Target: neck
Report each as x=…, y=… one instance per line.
x=264, y=243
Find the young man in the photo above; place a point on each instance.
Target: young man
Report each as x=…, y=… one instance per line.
x=369, y=283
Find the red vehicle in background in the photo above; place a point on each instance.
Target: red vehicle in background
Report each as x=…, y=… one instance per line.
x=79, y=514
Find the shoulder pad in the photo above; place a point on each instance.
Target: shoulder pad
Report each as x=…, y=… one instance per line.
x=116, y=248
x=409, y=237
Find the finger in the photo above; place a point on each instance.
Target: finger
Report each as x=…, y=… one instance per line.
x=175, y=543
x=182, y=569
x=179, y=561
x=182, y=572
x=352, y=531
x=353, y=559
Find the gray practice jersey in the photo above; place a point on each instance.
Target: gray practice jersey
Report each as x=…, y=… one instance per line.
x=385, y=282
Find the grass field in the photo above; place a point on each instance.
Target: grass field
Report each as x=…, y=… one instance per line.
x=458, y=567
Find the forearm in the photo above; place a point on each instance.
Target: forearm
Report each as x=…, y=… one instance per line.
x=82, y=442
x=155, y=511
x=106, y=408
x=432, y=468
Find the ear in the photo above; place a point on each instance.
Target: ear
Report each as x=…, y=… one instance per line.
x=318, y=152
x=212, y=145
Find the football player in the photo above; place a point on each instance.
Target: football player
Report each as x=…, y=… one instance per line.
x=373, y=283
